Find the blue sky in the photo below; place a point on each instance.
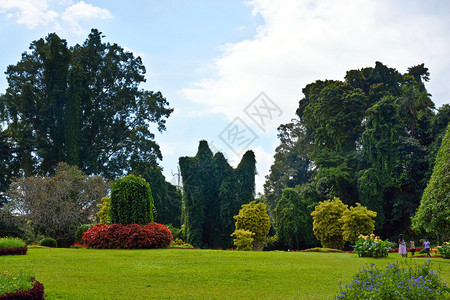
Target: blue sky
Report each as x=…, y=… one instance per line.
x=212, y=59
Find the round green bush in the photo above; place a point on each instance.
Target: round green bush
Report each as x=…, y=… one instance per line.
x=80, y=230
x=49, y=242
x=131, y=201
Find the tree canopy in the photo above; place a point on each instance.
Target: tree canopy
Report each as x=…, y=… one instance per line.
x=371, y=139
x=81, y=105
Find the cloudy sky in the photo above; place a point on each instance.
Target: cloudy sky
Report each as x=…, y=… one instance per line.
x=234, y=70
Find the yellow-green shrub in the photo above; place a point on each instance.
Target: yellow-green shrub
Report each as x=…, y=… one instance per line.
x=254, y=218
x=103, y=214
x=243, y=239
x=356, y=221
x=326, y=225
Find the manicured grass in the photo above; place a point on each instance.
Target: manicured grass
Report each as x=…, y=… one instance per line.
x=193, y=274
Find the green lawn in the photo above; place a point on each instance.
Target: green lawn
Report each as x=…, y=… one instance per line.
x=193, y=274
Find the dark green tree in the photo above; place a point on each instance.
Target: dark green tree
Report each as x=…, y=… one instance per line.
x=213, y=193
x=81, y=105
x=294, y=224
x=433, y=214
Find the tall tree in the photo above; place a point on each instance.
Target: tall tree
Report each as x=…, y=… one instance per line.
x=81, y=105
x=213, y=193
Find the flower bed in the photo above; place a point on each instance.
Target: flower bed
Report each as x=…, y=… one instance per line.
x=132, y=236
x=371, y=246
x=395, y=282
x=22, y=286
x=444, y=250
x=12, y=246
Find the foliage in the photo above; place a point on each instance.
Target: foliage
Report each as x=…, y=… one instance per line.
x=12, y=283
x=178, y=233
x=11, y=243
x=14, y=251
x=131, y=236
x=243, y=239
x=179, y=243
x=356, y=221
x=81, y=105
x=372, y=246
x=213, y=193
x=131, y=201
x=80, y=231
x=444, y=250
x=104, y=212
x=371, y=139
x=293, y=220
x=49, y=242
x=395, y=281
x=253, y=217
x=55, y=206
x=433, y=214
x=326, y=225
x=166, y=196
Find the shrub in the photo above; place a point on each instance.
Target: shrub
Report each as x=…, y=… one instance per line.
x=78, y=246
x=444, y=250
x=179, y=243
x=131, y=236
x=243, y=239
x=356, y=221
x=254, y=218
x=433, y=214
x=20, y=286
x=80, y=231
x=371, y=246
x=104, y=213
x=326, y=225
x=395, y=282
x=131, y=201
x=14, y=251
x=11, y=243
x=49, y=242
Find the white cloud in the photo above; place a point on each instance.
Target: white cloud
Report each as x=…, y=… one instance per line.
x=55, y=15
x=28, y=12
x=80, y=12
x=302, y=41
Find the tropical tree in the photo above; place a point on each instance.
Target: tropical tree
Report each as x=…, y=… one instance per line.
x=81, y=105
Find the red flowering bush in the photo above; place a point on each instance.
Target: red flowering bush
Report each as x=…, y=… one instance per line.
x=132, y=236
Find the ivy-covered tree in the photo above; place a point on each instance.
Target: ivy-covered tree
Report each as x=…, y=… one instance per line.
x=253, y=217
x=213, y=192
x=433, y=214
x=369, y=139
x=81, y=105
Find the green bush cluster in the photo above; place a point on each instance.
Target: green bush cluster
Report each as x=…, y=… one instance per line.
x=395, y=281
x=80, y=231
x=334, y=223
x=131, y=201
x=11, y=243
x=49, y=242
x=11, y=283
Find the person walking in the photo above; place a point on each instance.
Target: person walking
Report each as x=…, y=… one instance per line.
x=412, y=247
x=402, y=246
x=426, y=246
